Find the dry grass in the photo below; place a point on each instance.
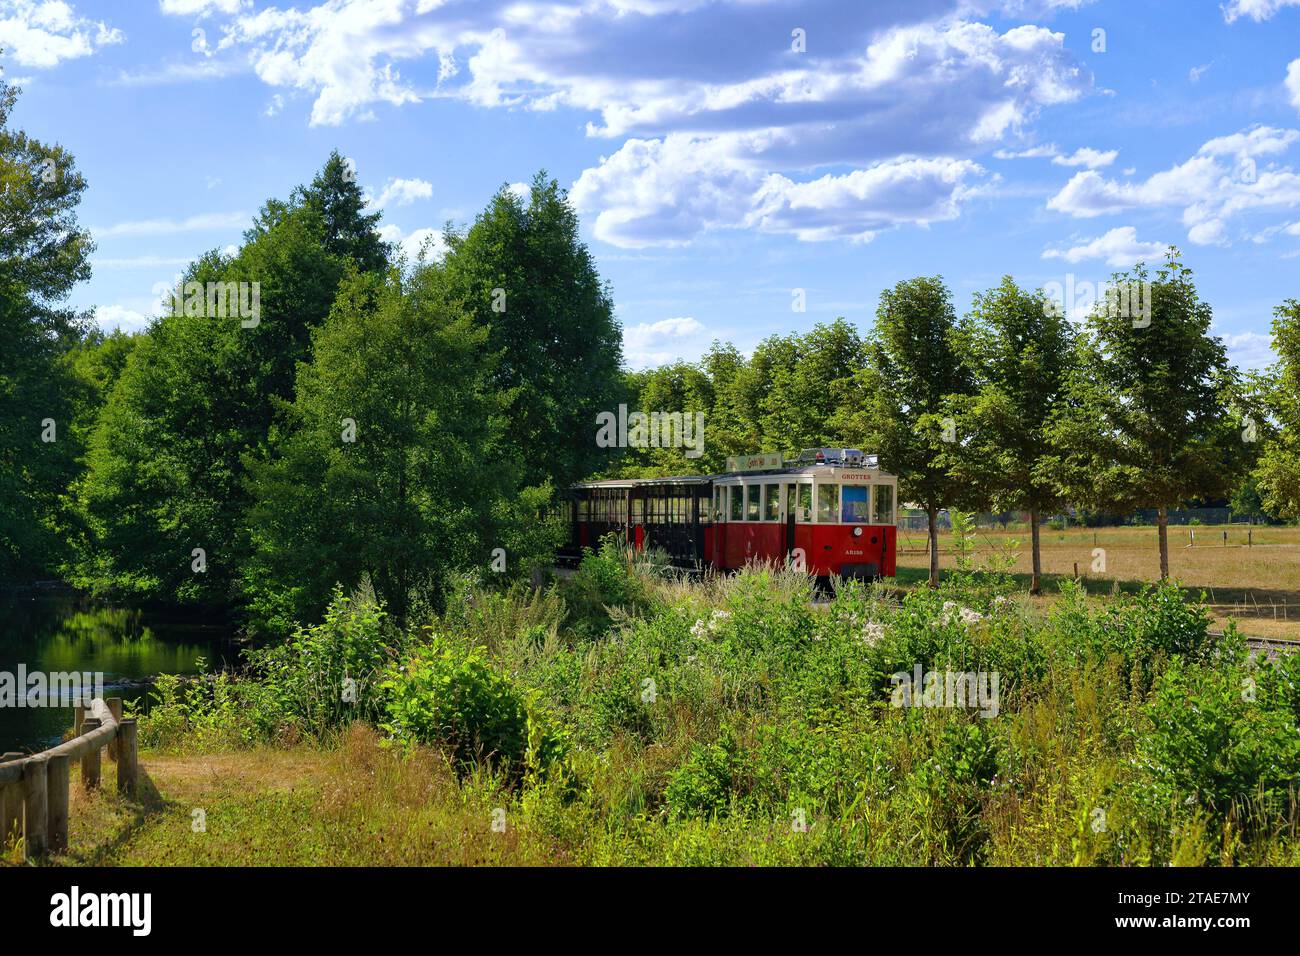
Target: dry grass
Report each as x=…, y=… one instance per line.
x=1257, y=581
x=354, y=803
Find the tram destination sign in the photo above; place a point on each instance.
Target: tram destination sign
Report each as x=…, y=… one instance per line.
x=754, y=462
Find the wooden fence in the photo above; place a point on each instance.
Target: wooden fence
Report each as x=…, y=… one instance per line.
x=34, y=790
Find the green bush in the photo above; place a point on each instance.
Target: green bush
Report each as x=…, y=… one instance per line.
x=451, y=696
x=1220, y=734
x=605, y=579
x=325, y=676
x=701, y=786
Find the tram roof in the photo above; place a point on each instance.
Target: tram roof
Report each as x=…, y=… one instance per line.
x=808, y=471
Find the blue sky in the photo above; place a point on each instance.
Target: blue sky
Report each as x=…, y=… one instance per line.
x=716, y=166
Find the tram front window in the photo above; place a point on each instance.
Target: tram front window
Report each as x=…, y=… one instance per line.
x=737, y=503
x=855, y=504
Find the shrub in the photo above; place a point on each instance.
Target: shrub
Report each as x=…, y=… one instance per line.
x=1221, y=734
x=701, y=786
x=605, y=579
x=324, y=676
x=448, y=695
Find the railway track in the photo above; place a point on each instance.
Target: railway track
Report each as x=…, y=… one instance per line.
x=1269, y=647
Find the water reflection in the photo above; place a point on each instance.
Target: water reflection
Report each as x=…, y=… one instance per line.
x=66, y=633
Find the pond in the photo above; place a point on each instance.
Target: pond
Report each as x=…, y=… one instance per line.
x=51, y=633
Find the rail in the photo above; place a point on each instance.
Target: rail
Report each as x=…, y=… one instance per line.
x=34, y=790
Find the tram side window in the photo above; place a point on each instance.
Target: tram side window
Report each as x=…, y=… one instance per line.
x=771, y=502
x=737, y=503
x=803, y=511
x=828, y=503
x=717, y=504
x=752, y=493
x=884, y=504
x=855, y=502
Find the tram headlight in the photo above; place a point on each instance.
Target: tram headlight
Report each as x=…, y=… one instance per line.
x=857, y=532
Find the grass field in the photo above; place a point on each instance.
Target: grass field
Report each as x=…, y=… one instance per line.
x=1253, y=583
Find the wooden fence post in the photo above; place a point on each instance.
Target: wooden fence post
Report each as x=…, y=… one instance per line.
x=78, y=715
x=11, y=807
x=127, y=767
x=11, y=814
x=114, y=708
x=56, y=787
x=90, y=762
x=35, y=806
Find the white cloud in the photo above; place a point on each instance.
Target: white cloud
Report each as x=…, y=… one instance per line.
x=1257, y=10
x=402, y=192
x=1221, y=182
x=1195, y=73
x=207, y=222
x=1048, y=151
x=1086, y=156
x=421, y=245
x=1293, y=82
x=1119, y=247
x=110, y=317
x=44, y=33
x=1249, y=350
x=202, y=8
x=664, y=192
x=140, y=262
x=860, y=204
x=882, y=84
x=652, y=343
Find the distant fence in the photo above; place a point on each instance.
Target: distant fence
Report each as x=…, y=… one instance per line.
x=34, y=790
x=1143, y=516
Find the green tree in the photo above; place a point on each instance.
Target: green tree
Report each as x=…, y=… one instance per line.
x=166, y=473
x=913, y=367
x=43, y=254
x=1146, y=423
x=385, y=465
x=810, y=378
x=350, y=231
x=1018, y=349
x=676, y=388
x=524, y=275
x=1278, y=473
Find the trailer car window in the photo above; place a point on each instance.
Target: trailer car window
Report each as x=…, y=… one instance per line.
x=772, y=503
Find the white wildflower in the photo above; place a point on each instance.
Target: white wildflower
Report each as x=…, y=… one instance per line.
x=872, y=633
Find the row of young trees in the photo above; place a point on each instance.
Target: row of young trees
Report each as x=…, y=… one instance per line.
x=379, y=417
x=1012, y=407
x=401, y=420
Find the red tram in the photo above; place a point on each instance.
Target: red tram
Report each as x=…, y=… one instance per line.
x=831, y=512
